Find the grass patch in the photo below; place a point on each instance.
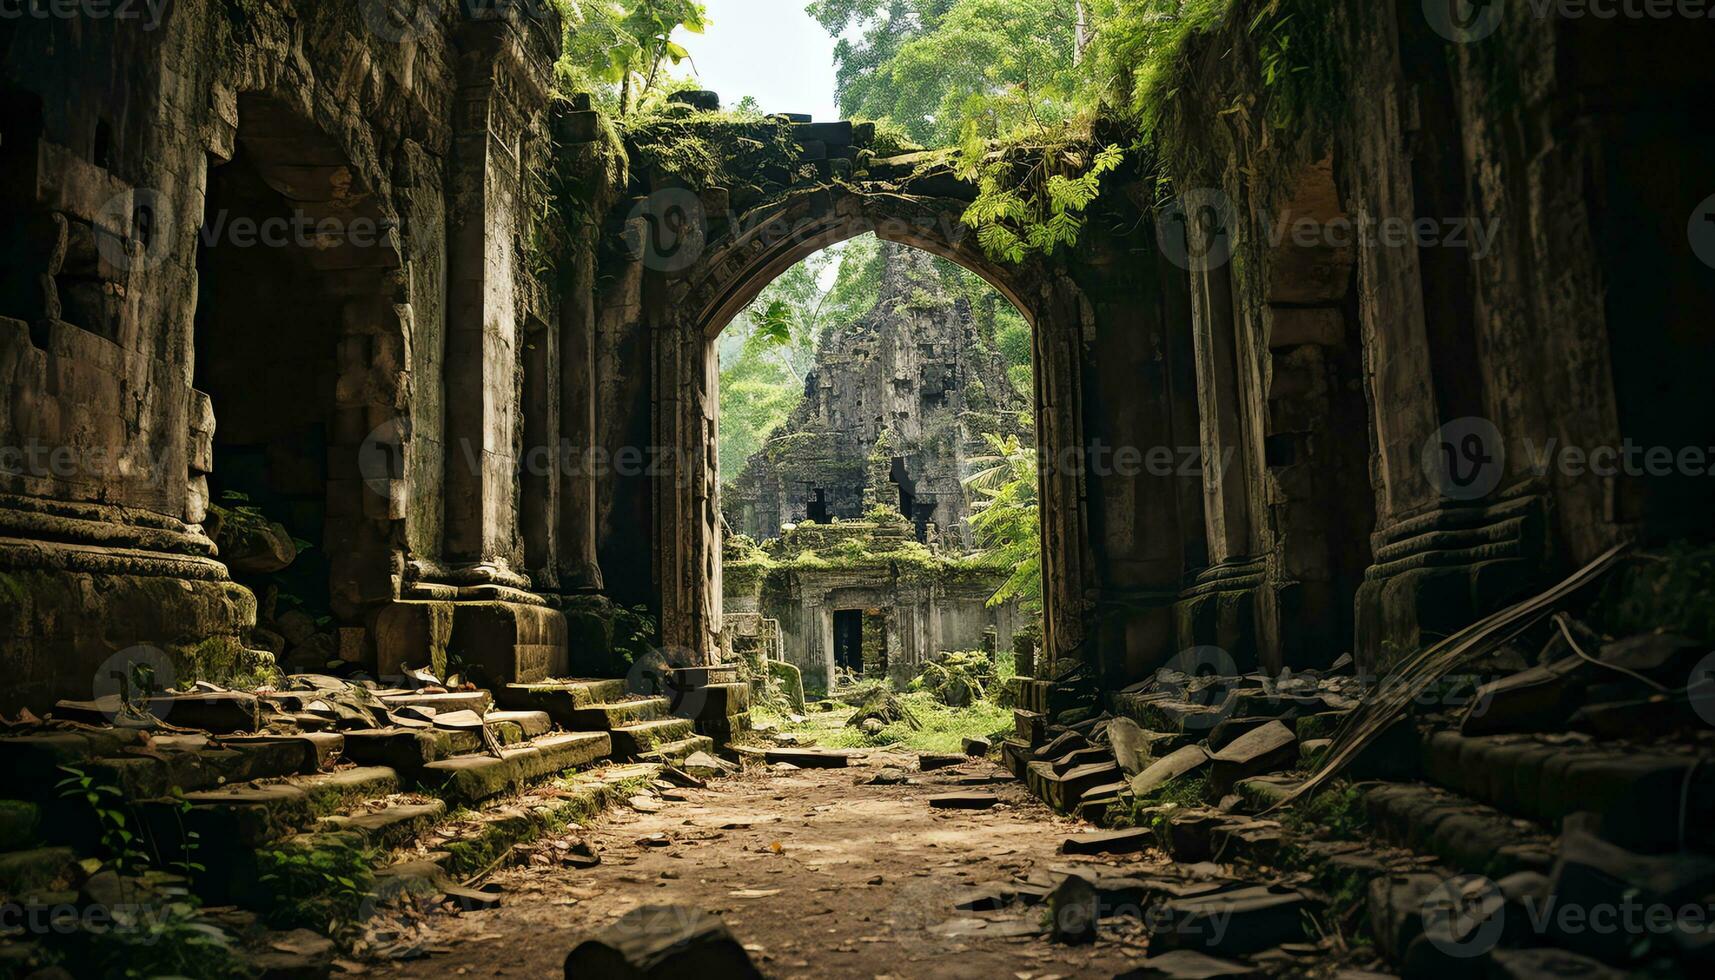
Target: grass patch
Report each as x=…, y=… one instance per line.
x=943, y=728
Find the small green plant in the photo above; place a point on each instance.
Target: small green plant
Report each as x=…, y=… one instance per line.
x=1336, y=812
x=119, y=840
x=321, y=885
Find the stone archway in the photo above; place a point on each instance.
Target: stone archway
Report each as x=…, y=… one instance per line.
x=708, y=267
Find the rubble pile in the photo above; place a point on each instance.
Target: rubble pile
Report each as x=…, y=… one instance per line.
x=1526, y=798
x=246, y=815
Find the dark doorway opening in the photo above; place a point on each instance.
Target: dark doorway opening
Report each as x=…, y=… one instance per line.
x=848, y=640
x=816, y=510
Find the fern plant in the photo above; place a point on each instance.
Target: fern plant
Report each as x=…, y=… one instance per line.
x=1031, y=199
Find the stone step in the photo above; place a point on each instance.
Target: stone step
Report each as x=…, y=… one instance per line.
x=687, y=678
x=474, y=778
x=1065, y=791
x=1466, y=836
x=714, y=702
x=392, y=825
x=477, y=701
x=674, y=753
x=407, y=750
x=631, y=741
x=533, y=724
x=1646, y=796
x=198, y=762
x=558, y=699
x=25, y=872
x=254, y=814
x=608, y=716
x=33, y=761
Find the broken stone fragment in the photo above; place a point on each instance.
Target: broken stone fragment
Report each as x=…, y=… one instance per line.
x=1179, y=763
x=662, y=942
x=1074, y=911
x=1130, y=745
x=976, y=746
x=1239, y=922
x=964, y=801
x=254, y=547
x=1271, y=748
x=1108, y=842
x=930, y=761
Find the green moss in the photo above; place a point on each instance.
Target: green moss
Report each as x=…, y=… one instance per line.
x=1336, y=811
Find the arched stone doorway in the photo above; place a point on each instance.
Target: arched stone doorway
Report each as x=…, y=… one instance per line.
x=710, y=266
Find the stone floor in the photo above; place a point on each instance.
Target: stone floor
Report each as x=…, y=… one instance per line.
x=819, y=872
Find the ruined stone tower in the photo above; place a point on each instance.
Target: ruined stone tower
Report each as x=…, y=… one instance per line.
x=894, y=412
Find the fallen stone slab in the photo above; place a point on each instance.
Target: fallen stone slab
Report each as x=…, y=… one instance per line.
x=1094, y=755
x=811, y=758
x=1234, y=923
x=1063, y=743
x=1271, y=748
x=976, y=747
x=1130, y=745
x=1179, y=763
x=1109, y=841
x=1074, y=911
x=964, y=801
x=221, y=712
x=1188, y=964
x=930, y=761
x=662, y=942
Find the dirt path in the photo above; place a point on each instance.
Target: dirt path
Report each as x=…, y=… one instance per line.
x=818, y=872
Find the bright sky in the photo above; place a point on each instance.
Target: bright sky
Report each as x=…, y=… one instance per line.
x=770, y=49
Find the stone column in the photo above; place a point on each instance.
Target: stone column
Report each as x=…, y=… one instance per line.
x=497, y=91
